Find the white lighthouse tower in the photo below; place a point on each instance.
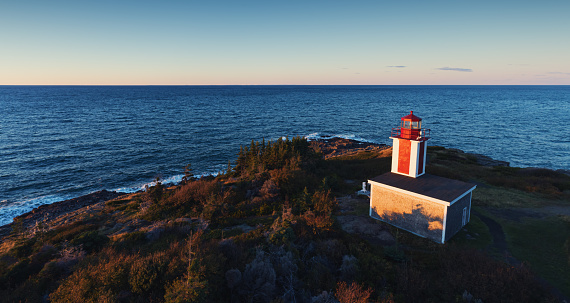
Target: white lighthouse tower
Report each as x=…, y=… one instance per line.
x=409, y=147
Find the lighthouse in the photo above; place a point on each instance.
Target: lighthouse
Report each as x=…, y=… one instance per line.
x=409, y=146
x=410, y=199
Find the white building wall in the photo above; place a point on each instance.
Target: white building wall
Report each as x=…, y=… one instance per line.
x=395, y=153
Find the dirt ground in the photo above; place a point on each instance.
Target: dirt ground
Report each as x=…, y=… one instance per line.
x=354, y=221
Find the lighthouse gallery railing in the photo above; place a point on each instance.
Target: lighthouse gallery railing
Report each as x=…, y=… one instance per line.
x=424, y=133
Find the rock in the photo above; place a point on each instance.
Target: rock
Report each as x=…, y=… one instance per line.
x=49, y=212
x=386, y=237
x=366, y=227
x=244, y=228
x=334, y=147
x=488, y=161
x=57, y=208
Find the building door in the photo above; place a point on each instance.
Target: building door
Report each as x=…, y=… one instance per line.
x=464, y=220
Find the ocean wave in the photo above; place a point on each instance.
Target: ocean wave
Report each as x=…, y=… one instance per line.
x=173, y=180
x=9, y=211
x=318, y=136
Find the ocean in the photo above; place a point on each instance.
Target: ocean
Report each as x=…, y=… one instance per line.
x=60, y=142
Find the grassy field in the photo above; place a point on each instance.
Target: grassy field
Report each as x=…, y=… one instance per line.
x=542, y=244
x=475, y=234
x=515, y=198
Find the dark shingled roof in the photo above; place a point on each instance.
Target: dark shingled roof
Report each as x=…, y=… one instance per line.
x=428, y=185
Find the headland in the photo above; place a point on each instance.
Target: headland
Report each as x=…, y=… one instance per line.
x=287, y=214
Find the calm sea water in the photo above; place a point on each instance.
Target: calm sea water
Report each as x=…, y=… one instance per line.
x=60, y=142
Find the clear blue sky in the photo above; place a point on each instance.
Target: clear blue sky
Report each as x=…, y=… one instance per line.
x=284, y=42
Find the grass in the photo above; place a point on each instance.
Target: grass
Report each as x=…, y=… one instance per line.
x=543, y=243
x=475, y=234
x=540, y=180
x=497, y=197
x=361, y=166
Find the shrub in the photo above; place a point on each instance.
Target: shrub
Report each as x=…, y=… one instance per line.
x=281, y=232
x=233, y=277
x=186, y=290
x=90, y=240
x=69, y=231
x=78, y=287
x=349, y=267
x=103, y=276
x=319, y=272
x=144, y=275
x=280, y=154
x=258, y=279
x=318, y=223
x=323, y=203
x=195, y=192
x=353, y=293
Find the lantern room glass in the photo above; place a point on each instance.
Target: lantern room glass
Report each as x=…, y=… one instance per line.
x=411, y=124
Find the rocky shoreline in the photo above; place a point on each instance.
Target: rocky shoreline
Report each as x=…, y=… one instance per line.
x=49, y=212
x=330, y=147
x=336, y=147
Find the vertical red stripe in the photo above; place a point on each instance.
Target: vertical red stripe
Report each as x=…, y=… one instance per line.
x=421, y=160
x=404, y=156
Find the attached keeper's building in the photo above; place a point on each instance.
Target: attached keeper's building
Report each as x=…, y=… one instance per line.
x=429, y=206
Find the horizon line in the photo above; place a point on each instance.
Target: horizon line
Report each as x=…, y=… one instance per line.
x=284, y=84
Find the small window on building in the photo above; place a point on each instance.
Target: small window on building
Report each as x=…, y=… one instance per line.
x=415, y=125
x=407, y=124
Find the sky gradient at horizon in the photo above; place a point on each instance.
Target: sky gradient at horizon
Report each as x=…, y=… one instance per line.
x=294, y=42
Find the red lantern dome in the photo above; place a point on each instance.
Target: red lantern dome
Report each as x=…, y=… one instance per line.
x=411, y=117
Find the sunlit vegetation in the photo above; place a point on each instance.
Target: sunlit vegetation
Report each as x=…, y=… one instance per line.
x=266, y=231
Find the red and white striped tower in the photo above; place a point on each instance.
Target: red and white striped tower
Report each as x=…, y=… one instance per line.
x=409, y=147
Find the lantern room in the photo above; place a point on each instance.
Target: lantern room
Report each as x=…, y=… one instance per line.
x=410, y=128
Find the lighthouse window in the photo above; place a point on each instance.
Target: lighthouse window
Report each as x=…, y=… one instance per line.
x=415, y=124
x=407, y=124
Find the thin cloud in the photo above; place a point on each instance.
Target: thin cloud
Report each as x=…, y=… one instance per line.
x=396, y=66
x=558, y=73
x=456, y=69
